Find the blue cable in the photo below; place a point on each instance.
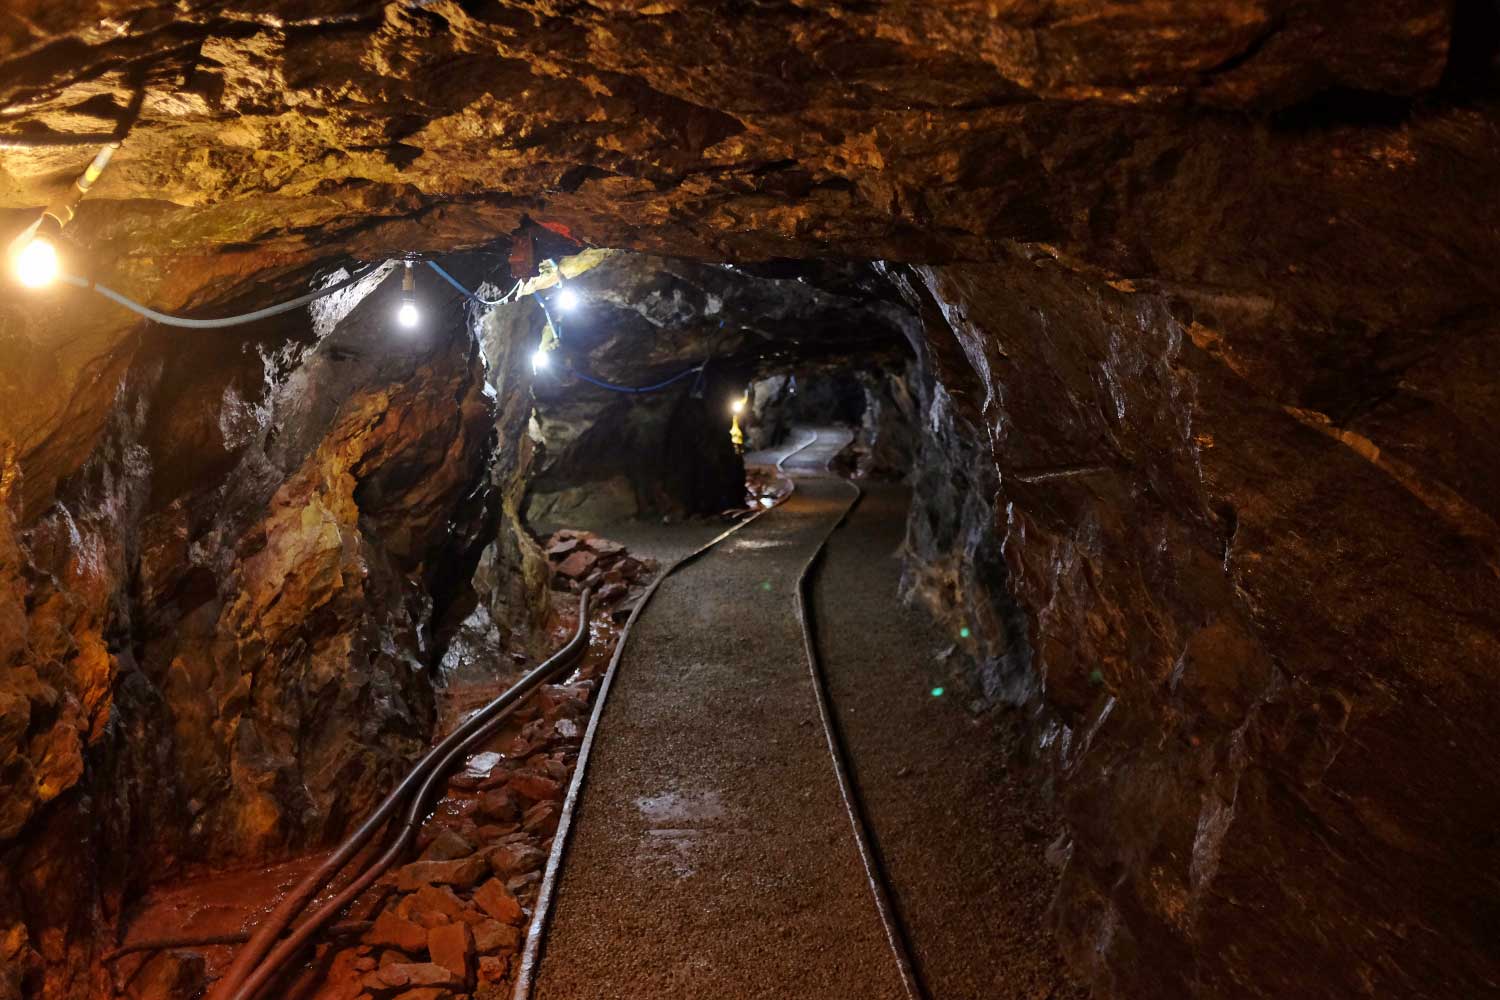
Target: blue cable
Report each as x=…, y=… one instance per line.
x=645, y=388
x=471, y=296
x=209, y=324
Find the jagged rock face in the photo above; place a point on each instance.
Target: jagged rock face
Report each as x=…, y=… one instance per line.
x=777, y=404
x=1259, y=627
x=1207, y=444
x=217, y=641
x=271, y=135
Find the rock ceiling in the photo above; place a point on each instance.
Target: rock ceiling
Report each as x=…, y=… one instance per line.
x=1209, y=149
x=722, y=130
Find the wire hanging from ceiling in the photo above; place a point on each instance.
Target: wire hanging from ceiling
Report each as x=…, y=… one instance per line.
x=212, y=324
x=509, y=296
x=612, y=387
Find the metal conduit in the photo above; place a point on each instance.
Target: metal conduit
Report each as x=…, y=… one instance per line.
x=262, y=958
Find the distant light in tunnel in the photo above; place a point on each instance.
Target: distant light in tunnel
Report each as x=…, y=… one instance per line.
x=738, y=406
x=541, y=360
x=36, y=263
x=937, y=692
x=963, y=633
x=567, y=300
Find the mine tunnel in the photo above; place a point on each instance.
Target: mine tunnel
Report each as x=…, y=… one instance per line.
x=876, y=500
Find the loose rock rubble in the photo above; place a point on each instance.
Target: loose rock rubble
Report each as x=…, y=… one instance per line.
x=453, y=920
x=583, y=559
x=449, y=924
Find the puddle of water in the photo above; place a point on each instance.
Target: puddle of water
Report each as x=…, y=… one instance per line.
x=677, y=828
x=759, y=543
x=677, y=849
x=681, y=808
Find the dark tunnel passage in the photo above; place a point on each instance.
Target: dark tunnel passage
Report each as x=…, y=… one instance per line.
x=748, y=500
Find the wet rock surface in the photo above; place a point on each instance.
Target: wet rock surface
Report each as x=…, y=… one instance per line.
x=1204, y=295
x=223, y=647
x=449, y=921
x=1252, y=607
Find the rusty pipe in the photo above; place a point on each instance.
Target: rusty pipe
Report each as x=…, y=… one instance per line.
x=287, y=948
x=211, y=940
x=250, y=957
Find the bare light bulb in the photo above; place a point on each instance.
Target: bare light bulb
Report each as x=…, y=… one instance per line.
x=36, y=265
x=541, y=360
x=737, y=407
x=567, y=300
x=408, y=315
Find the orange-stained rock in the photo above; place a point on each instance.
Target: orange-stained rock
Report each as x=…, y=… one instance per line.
x=577, y=565
x=393, y=931
x=498, y=804
x=535, y=787
x=452, y=947
x=496, y=900
x=432, y=901
x=407, y=975
x=493, y=937
x=492, y=969
x=509, y=859
x=462, y=872
x=541, y=819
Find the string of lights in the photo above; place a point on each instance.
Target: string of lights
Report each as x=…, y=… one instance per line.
x=37, y=263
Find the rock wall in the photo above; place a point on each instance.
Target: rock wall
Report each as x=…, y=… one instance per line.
x=780, y=402
x=1255, y=630
x=218, y=640
x=1211, y=404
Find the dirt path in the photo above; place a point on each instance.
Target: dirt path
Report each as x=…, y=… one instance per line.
x=712, y=857
x=960, y=829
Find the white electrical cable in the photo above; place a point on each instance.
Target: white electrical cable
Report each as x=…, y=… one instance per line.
x=211, y=324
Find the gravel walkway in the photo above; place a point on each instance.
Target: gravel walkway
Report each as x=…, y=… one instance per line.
x=712, y=857
x=958, y=823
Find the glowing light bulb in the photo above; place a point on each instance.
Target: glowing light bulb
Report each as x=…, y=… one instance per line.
x=36, y=264
x=567, y=300
x=737, y=407
x=408, y=315
x=541, y=360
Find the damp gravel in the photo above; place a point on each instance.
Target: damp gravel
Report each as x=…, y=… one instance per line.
x=712, y=857
x=952, y=804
